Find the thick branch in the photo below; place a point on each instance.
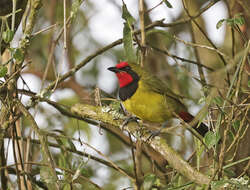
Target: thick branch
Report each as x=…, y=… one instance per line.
x=158, y=144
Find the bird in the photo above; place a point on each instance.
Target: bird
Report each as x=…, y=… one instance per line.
x=149, y=98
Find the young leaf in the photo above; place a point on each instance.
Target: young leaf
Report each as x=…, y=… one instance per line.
x=78, y=171
x=239, y=20
x=211, y=139
x=18, y=55
x=219, y=24
x=168, y=4
x=236, y=125
x=8, y=36
x=149, y=181
x=202, y=100
x=3, y=71
x=128, y=43
x=127, y=16
x=219, y=184
x=218, y=100
x=230, y=136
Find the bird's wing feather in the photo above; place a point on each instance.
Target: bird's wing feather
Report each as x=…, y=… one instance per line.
x=155, y=84
x=160, y=87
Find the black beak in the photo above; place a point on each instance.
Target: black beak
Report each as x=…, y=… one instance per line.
x=114, y=69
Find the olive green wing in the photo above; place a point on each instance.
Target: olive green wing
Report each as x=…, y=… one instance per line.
x=155, y=84
x=158, y=86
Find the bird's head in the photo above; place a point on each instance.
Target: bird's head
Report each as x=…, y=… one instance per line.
x=125, y=73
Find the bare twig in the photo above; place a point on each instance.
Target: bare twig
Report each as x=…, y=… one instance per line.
x=46, y=153
x=197, y=56
x=213, y=45
x=44, y=29
x=166, y=52
x=61, y=168
x=119, y=41
x=142, y=26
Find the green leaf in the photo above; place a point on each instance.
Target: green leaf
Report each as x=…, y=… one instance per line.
x=219, y=184
x=75, y=7
x=219, y=24
x=236, y=125
x=248, y=83
x=229, y=172
x=218, y=100
x=166, y=37
x=230, y=136
x=18, y=55
x=71, y=144
x=202, y=100
x=127, y=16
x=128, y=43
x=149, y=181
x=168, y=4
x=211, y=139
x=3, y=71
x=78, y=171
x=47, y=177
x=62, y=161
x=165, y=33
x=239, y=20
x=8, y=36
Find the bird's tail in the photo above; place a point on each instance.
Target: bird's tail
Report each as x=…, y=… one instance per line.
x=202, y=129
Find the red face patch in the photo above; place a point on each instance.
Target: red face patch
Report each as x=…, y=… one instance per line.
x=122, y=65
x=124, y=78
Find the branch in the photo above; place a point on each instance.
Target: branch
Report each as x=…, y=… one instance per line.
x=166, y=52
x=160, y=23
x=158, y=144
x=64, y=110
x=45, y=150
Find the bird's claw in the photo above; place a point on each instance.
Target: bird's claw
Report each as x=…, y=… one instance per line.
x=129, y=119
x=153, y=134
x=158, y=132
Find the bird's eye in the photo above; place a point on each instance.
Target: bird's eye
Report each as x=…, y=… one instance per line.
x=126, y=68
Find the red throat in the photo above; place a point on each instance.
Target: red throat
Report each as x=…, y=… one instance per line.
x=124, y=78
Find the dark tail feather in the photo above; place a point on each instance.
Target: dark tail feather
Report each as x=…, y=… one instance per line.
x=202, y=129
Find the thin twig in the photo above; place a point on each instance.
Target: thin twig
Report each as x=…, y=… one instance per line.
x=197, y=55
x=142, y=26
x=13, y=15
x=46, y=153
x=149, y=10
x=210, y=41
x=45, y=29
x=61, y=168
x=109, y=160
x=119, y=41
x=80, y=153
x=166, y=52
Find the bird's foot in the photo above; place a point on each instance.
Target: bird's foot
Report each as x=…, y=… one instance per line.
x=153, y=134
x=158, y=132
x=129, y=119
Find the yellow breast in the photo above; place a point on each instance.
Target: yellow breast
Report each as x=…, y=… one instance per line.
x=149, y=105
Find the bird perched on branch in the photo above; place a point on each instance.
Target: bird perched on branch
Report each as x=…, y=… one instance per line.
x=148, y=98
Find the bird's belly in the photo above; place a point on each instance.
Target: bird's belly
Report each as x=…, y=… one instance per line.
x=148, y=106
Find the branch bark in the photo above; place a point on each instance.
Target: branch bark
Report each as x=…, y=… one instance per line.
x=158, y=144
